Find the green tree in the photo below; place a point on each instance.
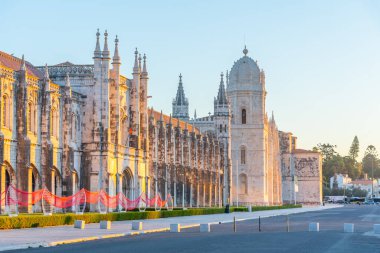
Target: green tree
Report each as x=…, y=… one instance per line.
x=327, y=151
x=352, y=167
x=354, y=149
x=371, y=160
x=333, y=165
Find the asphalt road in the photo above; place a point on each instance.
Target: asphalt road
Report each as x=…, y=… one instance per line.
x=272, y=238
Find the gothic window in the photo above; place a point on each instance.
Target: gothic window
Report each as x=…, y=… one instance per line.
x=5, y=111
x=242, y=155
x=243, y=116
x=225, y=128
x=220, y=128
x=243, y=184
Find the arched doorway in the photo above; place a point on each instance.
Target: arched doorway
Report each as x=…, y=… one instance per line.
x=8, y=178
x=34, y=179
x=56, y=182
x=34, y=184
x=127, y=183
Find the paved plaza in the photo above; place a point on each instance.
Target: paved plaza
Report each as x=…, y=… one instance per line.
x=272, y=238
x=51, y=236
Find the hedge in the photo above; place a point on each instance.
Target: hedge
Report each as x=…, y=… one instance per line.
x=39, y=220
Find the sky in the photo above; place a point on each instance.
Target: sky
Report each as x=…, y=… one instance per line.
x=321, y=58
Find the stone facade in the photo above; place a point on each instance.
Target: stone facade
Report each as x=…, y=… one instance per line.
x=301, y=169
x=67, y=126
x=256, y=151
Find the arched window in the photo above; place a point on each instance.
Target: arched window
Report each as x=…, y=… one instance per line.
x=220, y=128
x=225, y=128
x=242, y=155
x=243, y=116
x=5, y=111
x=243, y=184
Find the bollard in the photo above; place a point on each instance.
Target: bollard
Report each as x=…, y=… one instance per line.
x=250, y=209
x=376, y=228
x=204, y=228
x=287, y=223
x=137, y=225
x=348, y=227
x=79, y=224
x=175, y=228
x=314, y=227
x=234, y=224
x=105, y=224
x=259, y=224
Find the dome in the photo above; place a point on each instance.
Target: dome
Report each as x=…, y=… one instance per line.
x=245, y=71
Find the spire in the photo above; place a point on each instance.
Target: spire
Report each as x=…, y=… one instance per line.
x=22, y=67
x=139, y=62
x=245, y=51
x=222, y=98
x=195, y=114
x=46, y=75
x=67, y=80
x=136, y=66
x=227, y=78
x=144, y=65
x=151, y=112
x=272, y=118
x=106, y=52
x=116, y=57
x=170, y=119
x=97, y=52
x=180, y=97
x=180, y=104
x=161, y=117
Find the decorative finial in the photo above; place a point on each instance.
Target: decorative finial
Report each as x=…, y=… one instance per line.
x=136, y=66
x=116, y=57
x=97, y=52
x=221, y=77
x=245, y=51
x=105, y=48
x=180, y=78
x=22, y=67
x=46, y=72
x=140, y=61
x=67, y=81
x=144, y=64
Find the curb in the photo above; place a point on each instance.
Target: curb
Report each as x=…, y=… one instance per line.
x=107, y=236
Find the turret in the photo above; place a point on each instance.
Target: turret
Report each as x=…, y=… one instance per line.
x=135, y=99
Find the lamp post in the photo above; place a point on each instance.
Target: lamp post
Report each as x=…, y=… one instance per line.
x=372, y=177
x=237, y=181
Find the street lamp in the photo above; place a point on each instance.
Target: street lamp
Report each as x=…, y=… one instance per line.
x=372, y=177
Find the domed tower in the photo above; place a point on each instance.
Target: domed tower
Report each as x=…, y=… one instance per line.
x=246, y=95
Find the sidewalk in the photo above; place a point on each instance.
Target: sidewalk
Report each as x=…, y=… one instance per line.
x=52, y=236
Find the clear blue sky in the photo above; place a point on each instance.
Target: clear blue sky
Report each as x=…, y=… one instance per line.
x=321, y=58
